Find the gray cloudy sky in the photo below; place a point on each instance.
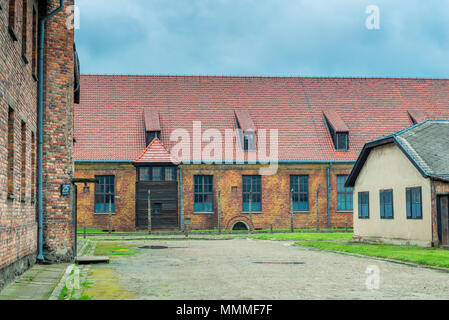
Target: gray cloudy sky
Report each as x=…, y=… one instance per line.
x=264, y=37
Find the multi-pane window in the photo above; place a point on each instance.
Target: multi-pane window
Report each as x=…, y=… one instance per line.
x=252, y=193
x=299, y=188
x=156, y=174
x=25, y=29
x=33, y=167
x=105, y=194
x=249, y=141
x=344, y=195
x=10, y=152
x=203, y=193
x=386, y=204
x=12, y=18
x=414, y=203
x=363, y=205
x=34, y=45
x=23, y=183
x=341, y=143
x=170, y=174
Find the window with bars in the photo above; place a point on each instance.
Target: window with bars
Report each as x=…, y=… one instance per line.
x=363, y=205
x=203, y=193
x=10, y=153
x=12, y=19
x=157, y=173
x=25, y=30
x=105, y=194
x=23, y=184
x=386, y=204
x=414, y=203
x=252, y=193
x=344, y=195
x=299, y=188
x=341, y=143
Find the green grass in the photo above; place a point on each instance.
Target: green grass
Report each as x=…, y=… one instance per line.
x=344, y=236
x=90, y=230
x=115, y=249
x=418, y=255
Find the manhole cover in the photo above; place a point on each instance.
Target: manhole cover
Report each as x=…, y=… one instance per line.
x=153, y=247
x=279, y=262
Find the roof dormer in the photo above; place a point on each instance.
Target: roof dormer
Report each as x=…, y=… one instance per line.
x=152, y=125
x=338, y=130
x=247, y=130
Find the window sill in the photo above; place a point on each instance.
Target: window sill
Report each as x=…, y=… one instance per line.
x=301, y=212
x=203, y=213
x=252, y=212
x=104, y=213
x=13, y=34
x=345, y=211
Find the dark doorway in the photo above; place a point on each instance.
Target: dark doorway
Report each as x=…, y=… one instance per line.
x=240, y=226
x=443, y=220
x=161, y=181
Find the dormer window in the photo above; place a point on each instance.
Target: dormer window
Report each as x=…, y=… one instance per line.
x=152, y=125
x=151, y=135
x=338, y=130
x=341, y=143
x=249, y=141
x=247, y=130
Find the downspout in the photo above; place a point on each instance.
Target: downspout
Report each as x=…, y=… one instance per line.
x=181, y=186
x=40, y=255
x=329, y=196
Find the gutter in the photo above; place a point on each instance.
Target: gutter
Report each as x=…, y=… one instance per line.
x=329, y=195
x=181, y=196
x=40, y=120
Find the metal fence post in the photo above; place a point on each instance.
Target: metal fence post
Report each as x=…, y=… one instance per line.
x=292, y=226
x=110, y=215
x=318, y=209
x=149, y=212
x=219, y=212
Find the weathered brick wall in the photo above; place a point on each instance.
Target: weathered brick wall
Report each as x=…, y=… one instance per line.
x=18, y=90
x=438, y=188
x=275, y=196
x=124, y=218
x=58, y=164
x=227, y=179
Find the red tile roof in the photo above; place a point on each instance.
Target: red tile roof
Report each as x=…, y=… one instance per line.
x=152, y=122
x=155, y=153
x=109, y=123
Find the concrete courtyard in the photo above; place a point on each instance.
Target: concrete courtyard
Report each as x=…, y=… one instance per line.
x=252, y=269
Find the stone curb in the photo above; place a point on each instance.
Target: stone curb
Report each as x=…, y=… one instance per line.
x=405, y=263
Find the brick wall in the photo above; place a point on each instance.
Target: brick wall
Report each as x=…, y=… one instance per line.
x=18, y=92
x=58, y=164
x=438, y=188
x=275, y=196
x=124, y=218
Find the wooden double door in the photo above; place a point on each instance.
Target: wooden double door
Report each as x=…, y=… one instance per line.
x=443, y=219
x=164, y=205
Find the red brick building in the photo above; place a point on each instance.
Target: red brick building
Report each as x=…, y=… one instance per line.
x=26, y=202
x=198, y=144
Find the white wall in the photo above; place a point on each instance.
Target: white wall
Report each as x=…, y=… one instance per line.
x=387, y=167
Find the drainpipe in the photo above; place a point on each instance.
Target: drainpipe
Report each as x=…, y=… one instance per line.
x=40, y=120
x=181, y=186
x=329, y=196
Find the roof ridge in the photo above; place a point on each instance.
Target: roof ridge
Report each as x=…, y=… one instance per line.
x=262, y=77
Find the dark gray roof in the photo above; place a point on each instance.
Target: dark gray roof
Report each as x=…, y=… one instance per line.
x=428, y=145
x=425, y=144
